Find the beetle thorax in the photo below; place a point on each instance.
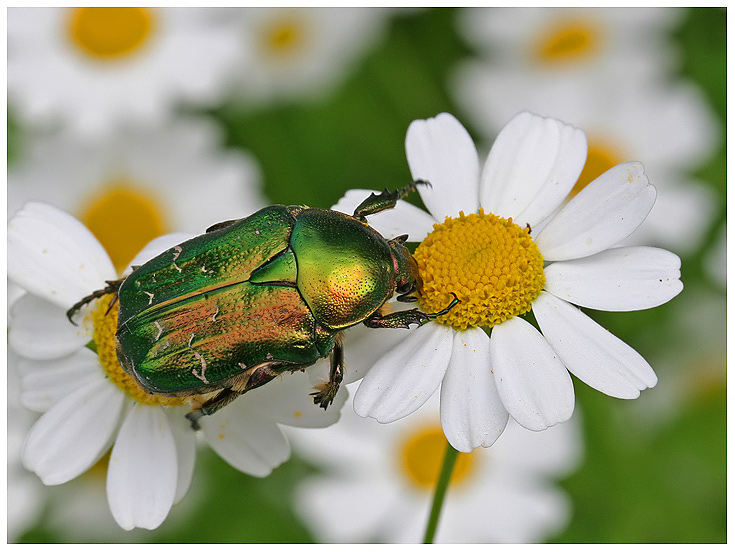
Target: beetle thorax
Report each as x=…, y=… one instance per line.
x=345, y=268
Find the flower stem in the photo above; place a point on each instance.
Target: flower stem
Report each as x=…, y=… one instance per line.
x=450, y=457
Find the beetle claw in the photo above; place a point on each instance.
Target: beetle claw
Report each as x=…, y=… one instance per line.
x=325, y=396
x=112, y=287
x=193, y=417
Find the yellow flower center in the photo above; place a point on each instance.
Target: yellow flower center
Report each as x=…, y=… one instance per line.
x=124, y=220
x=490, y=264
x=422, y=455
x=285, y=35
x=110, y=33
x=568, y=41
x=105, y=326
x=601, y=157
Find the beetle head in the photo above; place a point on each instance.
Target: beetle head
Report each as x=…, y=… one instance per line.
x=406, y=270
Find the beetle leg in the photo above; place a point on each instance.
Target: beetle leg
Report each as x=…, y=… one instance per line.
x=249, y=380
x=221, y=399
x=384, y=200
x=112, y=287
x=402, y=319
x=326, y=394
x=399, y=319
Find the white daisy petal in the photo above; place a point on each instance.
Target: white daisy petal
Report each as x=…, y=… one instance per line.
x=143, y=470
x=404, y=218
x=602, y=215
x=247, y=442
x=620, y=279
x=363, y=346
x=40, y=237
x=45, y=383
x=531, y=168
x=532, y=382
x=590, y=352
x=70, y=437
x=185, y=441
x=40, y=330
x=406, y=376
x=472, y=414
x=441, y=151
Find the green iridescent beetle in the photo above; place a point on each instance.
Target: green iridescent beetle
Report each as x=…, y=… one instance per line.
x=252, y=298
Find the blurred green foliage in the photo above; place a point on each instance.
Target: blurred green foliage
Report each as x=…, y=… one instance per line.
x=662, y=481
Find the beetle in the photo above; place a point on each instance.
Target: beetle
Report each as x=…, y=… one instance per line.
x=229, y=310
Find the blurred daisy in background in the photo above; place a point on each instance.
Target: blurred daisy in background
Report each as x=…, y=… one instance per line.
x=90, y=404
x=296, y=53
x=548, y=256
x=91, y=69
x=139, y=184
x=25, y=492
x=695, y=373
x=607, y=71
x=574, y=44
x=377, y=482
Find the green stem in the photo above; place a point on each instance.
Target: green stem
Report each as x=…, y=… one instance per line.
x=441, y=490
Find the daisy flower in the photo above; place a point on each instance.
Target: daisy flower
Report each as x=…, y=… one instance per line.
x=381, y=478
x=91, y=406
x=506, y=244
x=289, y=53
x=627, y=114
x=575, y=42
x=139, y=183
x=114, y=65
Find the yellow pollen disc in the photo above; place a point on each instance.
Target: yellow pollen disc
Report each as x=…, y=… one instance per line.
x=123, y=220
x=568, y=41
x=108, y=33
x=423, y=453
x=490, y=264
x=601, y=157
x=105, y=326
x=284, y=36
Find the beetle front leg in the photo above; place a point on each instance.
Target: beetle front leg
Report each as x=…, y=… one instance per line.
x=402, y=319
x=326, y=394
x=399, y=319
x=384, y=200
